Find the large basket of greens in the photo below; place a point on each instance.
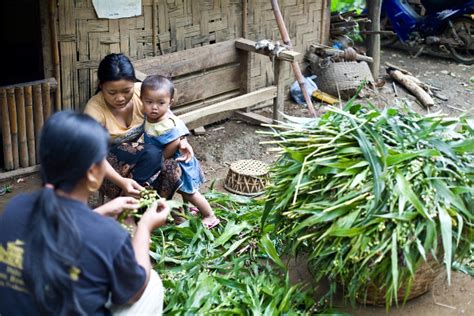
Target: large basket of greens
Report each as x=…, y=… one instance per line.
x=371, y=195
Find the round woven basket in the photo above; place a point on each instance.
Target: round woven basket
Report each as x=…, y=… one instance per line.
x=422, y=283
x=247, y=177
x=342, y=78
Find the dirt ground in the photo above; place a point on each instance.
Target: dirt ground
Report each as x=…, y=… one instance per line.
x=233, y=140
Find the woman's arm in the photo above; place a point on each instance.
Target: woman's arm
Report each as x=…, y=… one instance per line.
x=154, y=217
x=129, y=186
x=117, y=206
x=171, y=148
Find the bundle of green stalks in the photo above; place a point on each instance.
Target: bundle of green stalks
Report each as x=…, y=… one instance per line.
x=232, y=269
x=371, y=194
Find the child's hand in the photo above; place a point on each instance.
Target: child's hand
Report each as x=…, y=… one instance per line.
x=156, y=215
x=185, y=150
x=117, y=206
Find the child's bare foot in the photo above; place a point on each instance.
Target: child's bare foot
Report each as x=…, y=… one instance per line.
x=210, y=221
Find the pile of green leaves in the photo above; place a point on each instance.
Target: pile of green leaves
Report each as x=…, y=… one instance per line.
x=370, y=194
x=233, y=268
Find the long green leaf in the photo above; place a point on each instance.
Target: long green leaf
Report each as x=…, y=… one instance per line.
x=446, y=236
x=394, y=259
x=405, y=189
x=270, y=250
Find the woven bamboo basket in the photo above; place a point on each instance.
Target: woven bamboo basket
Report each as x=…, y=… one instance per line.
x=342, y=78
x=247, y=177
x=422, y=283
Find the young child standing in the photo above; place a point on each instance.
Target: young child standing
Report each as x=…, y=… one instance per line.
x=165, y=130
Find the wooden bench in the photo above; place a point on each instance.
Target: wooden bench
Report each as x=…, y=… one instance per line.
x=213, y=81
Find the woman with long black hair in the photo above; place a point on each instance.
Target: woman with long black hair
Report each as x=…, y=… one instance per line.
x=59, y=257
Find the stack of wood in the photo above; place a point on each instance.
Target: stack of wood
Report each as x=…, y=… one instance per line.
x=344, y=23
x=319, y=51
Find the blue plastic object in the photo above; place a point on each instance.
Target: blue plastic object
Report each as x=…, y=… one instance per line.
x=295, y=90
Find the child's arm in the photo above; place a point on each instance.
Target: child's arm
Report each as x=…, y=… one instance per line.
x=171, y=148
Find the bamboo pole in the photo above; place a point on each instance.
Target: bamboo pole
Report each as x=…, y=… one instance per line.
x=46, y=94
x=55, y=51
x=13, y=126
x=154, y=27
x=30, y=126
x=6, y=136
x=22, y=144
x=294, y=65
x=37, y=108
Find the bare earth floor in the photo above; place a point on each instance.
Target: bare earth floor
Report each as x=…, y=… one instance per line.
x=233, y=140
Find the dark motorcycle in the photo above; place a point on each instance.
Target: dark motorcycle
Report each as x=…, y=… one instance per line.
x=437, y=27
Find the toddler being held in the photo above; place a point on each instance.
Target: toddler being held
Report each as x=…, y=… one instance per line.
x=165, y=130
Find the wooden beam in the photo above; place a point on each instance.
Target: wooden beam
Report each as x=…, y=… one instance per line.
x=19, y=172
x=190, y=60
x=236, y=103
x=248, y=45
x=253, y=118
x=53, y=84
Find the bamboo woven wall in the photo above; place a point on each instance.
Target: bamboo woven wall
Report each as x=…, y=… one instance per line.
x=174, y=25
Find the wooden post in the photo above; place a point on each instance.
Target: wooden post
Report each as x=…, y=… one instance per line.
x=22, y=144
x=154, y=26
x=30, y=126
x=46, y=92
x=13, y=126
x=6, y=136
x=245, y=65
x=373, y=47
x=55, y=51
x=245, y=9
x=296, y=67
x=278, y=105
x=38, y=108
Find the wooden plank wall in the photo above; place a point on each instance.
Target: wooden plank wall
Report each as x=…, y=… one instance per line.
x=179, y=24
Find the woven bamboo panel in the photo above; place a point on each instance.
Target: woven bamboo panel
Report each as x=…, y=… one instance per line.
x=167, y=26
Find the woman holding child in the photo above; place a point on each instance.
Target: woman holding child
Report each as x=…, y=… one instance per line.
x=119, y=108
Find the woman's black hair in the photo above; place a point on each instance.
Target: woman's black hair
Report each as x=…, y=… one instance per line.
x=115, y=67
x=156, y=82
x=70, y=143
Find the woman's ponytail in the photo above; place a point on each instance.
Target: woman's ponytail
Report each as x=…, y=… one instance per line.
x=53, y=241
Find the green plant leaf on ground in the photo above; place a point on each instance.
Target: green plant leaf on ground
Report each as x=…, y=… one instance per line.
x=225, y=270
